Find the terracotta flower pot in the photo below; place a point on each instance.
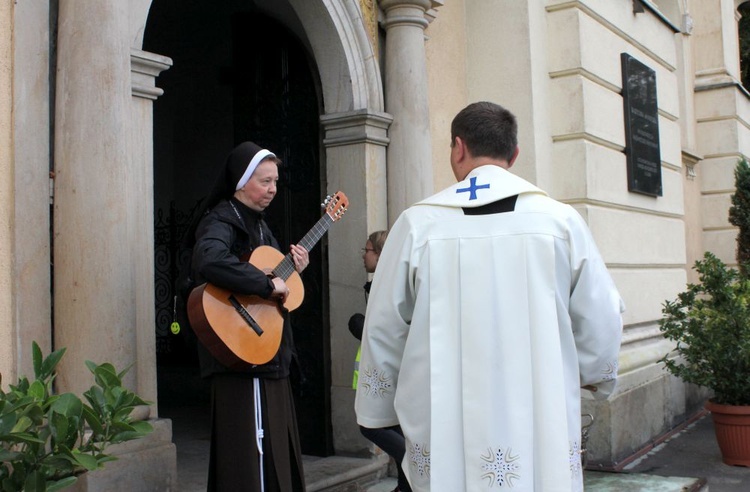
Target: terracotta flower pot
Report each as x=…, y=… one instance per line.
x=732, y=427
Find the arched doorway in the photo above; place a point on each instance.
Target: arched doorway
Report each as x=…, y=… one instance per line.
x=238, y=74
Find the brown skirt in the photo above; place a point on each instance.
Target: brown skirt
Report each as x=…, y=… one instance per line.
x=235, y=462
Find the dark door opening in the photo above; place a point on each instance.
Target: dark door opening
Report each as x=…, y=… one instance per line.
x=237, y=75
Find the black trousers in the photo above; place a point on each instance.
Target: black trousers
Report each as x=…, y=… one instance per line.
x=390, y=440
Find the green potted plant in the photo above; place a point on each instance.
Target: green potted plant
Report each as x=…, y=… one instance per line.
x=48, y=439
x=710, y=323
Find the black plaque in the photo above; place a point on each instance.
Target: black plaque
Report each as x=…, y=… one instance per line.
x=641, y=127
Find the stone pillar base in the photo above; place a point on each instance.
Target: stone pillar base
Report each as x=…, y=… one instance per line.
x=629, y=422
x=147, y=464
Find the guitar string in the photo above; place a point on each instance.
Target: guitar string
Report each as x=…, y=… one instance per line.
x=286, y=267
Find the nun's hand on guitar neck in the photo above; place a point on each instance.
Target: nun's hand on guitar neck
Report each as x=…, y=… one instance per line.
x=300, y=256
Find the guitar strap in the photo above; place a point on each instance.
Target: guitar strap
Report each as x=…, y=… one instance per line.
x=260, y=223
x=259, y=429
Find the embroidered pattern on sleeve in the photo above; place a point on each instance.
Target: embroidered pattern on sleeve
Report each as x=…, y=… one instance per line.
x=574, y=458
x=375, y=383
x=610, y=372
x=500, y=467
x=419, y=459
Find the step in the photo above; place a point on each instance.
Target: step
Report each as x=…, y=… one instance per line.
x=344, y=474
x=608, y=482
x=637, y=482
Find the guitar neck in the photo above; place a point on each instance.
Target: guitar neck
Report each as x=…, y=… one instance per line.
x=286, y=267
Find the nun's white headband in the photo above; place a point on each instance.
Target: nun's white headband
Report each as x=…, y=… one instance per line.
x=257, y=158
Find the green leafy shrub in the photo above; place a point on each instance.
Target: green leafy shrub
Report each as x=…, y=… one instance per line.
x=739, y=214
x=710, y=322
x=47, y=440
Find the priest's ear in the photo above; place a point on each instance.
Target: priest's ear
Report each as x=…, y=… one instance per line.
x=514, y=157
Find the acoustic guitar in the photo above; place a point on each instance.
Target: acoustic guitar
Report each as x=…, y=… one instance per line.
x=242, y=329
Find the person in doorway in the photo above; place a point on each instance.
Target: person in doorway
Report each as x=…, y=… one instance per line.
x=254, y=438
x=490, y=309
x=389, y=439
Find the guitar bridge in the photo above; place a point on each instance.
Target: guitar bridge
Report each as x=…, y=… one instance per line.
x=245, y=315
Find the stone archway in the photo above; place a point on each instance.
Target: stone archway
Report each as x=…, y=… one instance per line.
x=355, y=138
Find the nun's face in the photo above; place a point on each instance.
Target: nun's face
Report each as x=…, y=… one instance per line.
x=261, y=187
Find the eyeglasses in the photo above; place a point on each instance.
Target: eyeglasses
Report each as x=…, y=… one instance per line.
x=368, y=250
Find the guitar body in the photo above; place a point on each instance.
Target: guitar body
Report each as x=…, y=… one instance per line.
x=242, y=330
x=226, y=334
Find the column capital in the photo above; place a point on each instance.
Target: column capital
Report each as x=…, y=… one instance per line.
x=144, y=68
x=405, y=12
x=356, y=127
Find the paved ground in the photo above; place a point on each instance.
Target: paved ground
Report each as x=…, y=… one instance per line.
x=693, y=452
x=672, y=466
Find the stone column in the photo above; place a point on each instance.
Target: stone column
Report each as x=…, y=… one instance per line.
x=94, y=295
x=31, y=156
x=409, y=153
x=715, y=44
x=8, y=352
x=721, y=120
x=355, y=164
x=145, y=67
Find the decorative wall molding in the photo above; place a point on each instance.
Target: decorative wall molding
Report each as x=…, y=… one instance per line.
x=144, y=68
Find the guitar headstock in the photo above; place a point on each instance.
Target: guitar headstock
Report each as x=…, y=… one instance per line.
x=336, y=205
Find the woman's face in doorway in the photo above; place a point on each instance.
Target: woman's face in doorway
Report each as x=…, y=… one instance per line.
x=260, y=189
x=370, y=257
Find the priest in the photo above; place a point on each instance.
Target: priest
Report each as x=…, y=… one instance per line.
x=490, y=309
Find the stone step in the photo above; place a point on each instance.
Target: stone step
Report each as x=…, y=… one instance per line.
x=638, y=482
x=344, y=474
x=606, y=482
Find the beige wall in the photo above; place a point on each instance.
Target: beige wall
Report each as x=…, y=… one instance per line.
x=7, y=355
x=447, y=83
x=556, y=65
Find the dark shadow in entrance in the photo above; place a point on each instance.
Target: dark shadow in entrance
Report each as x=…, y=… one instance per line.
x=237, y=75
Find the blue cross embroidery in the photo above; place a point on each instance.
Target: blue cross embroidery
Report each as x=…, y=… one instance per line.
x=473, y=188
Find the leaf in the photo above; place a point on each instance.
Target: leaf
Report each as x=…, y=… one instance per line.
x=23, y=437
x=21, y=425
x=53, y=486
x=125, y=436
x=59, y=427
x=37, y=390
x=67, y=404
x=50, y=363
x=92, y=418
x=6, y=455
x=35, y=413
x=142, y=427
x=95, y=397
x=7, y=422
x=124, y=372
x=36, y=356
x=86, y=460
x=106, y=376
x=34, y=482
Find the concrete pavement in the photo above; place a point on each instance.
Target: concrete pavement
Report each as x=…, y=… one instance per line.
x=686, y=461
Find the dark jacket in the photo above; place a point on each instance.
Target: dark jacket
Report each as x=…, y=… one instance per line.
x=225, y=238
x=357, y=320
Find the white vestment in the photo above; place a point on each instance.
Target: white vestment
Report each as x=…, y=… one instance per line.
x=480, y=331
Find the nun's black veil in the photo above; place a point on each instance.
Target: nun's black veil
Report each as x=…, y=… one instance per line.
x=224, y=186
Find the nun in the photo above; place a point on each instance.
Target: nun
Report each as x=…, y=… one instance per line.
x=254, y=438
